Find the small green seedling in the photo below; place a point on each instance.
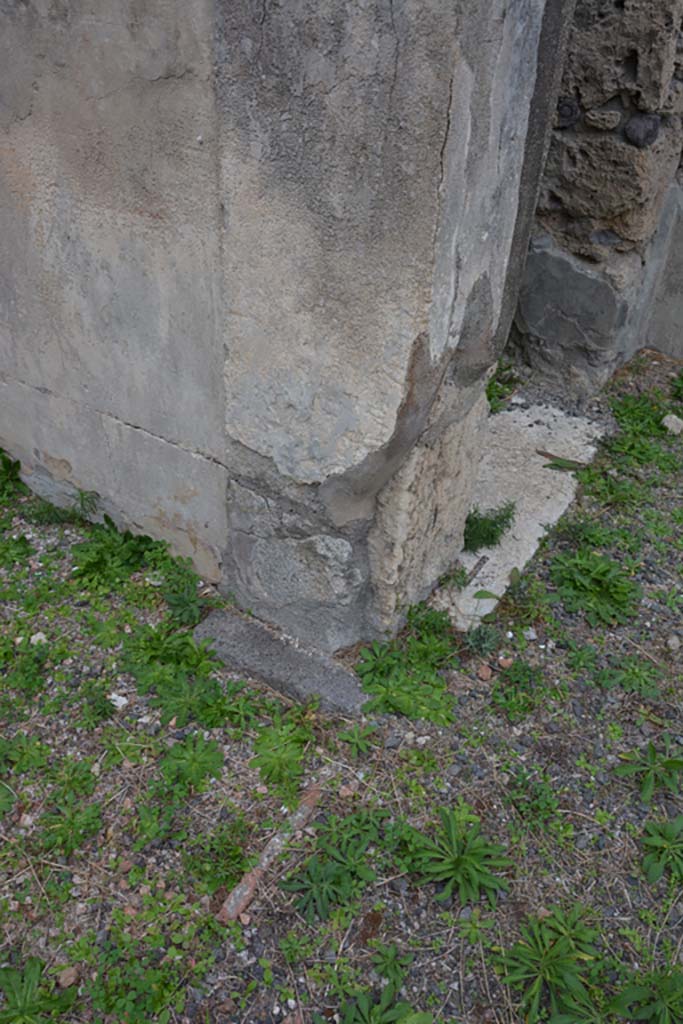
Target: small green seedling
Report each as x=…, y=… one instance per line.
x=29, y=1000
x=319, y=887
x=389, y=963
x=358, y=739
x=656, y=997
x=501, y=386
x=365, y=1010
x=192, y=762
x=664, y=841
x=656, y=768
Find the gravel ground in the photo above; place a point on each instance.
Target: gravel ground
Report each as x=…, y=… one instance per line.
x=120, y=905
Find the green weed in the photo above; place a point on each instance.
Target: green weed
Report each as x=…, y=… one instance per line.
x=547, y=966
x=584, y=532
x=295, y=948
x=179, y=587
x=142, y=979
x=664, y=841
x=70, y=826
x=655, y=768
x=319, y=887
x=640, y=415
x=582, y=657
x=484, y=640
x=363, y=1009
x=74, y=778
x=532, y=794
x=21, y=754
x=462, y=858
x=29, y=998
x=7, y=799
x=389, y=963
x=149, y=647
x=95, y=704
x=656, y=997
x=596, y=586
x=14, y=550
x=501, y=386
x=10, y=481
x=358, y=739
x=26, y=674
x=279, y=753
x=44, y=513
x=339, y=869
x=192, y=762
x=610, y=490
x=520, y=689
x=403, y=675
x=185, y=699
x=218, y=858
x=457, y=578
x=486, y=529
x=108, y=557
x=527, y=600
x=631, y=674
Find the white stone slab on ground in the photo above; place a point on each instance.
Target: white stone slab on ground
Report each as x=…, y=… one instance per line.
x=513, y=470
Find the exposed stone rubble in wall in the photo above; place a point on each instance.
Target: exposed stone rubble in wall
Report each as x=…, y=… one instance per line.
x=603, y=225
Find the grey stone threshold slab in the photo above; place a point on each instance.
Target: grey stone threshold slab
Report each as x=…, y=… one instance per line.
x=250, y=648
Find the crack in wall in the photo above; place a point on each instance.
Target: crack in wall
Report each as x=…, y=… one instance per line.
x=444, y=144
x=397, y=51
x=194, y=452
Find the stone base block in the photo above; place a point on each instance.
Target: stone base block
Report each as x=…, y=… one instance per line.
x=578, y=321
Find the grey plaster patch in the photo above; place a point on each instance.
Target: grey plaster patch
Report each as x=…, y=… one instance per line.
x=143, y=482
x=247, y=646
x=512, y=469
x=665, y=328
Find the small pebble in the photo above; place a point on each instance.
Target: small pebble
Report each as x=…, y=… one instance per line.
x=673, y=423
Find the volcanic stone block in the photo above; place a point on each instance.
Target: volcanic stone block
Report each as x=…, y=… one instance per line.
x=578, y=321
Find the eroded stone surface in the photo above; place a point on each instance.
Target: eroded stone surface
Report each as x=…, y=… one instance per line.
x=422, y=512
x=605, y=215
x=375, y=187
x=361, y=174
x=514, y=467
x=618, y=137
x=250, y=648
